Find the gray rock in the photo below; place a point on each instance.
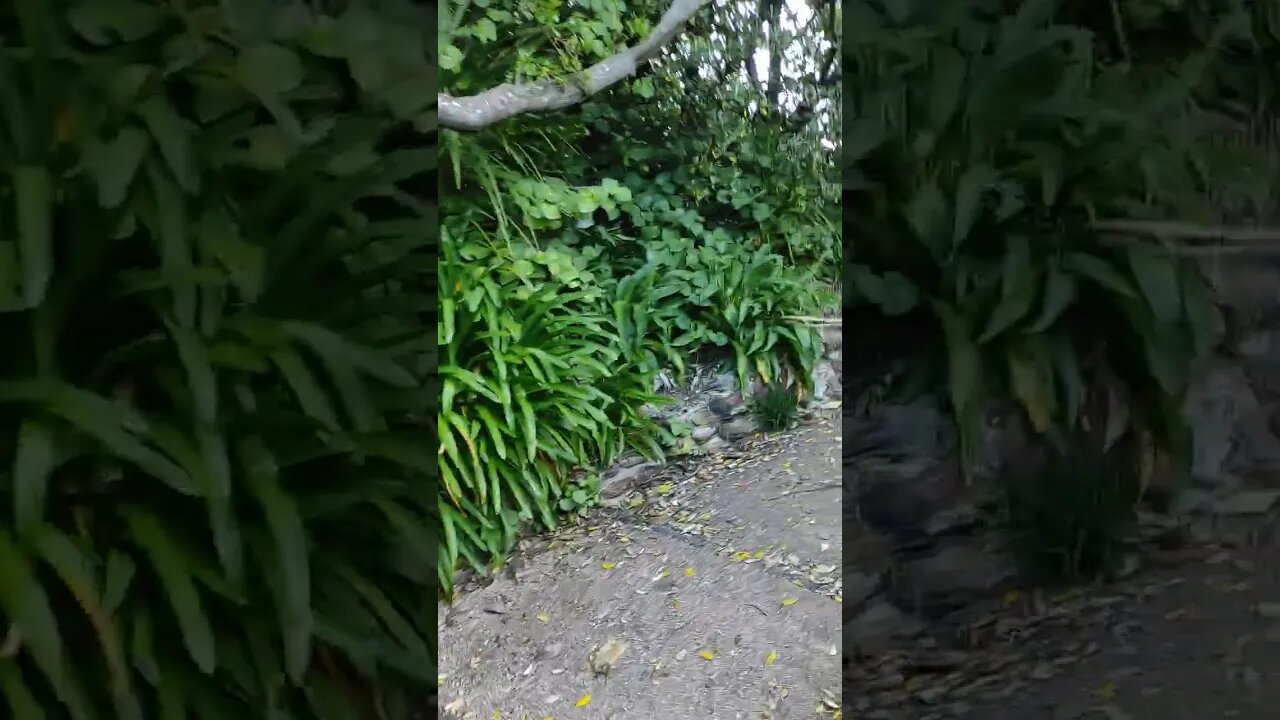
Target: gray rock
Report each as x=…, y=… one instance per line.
x=858, y=587
x=915, y=428
x=958, y=517
x=1248, y=287
x=704, y=432
x=725, y=382
x=630, y=461
x=1216, y=402
x=954, y=576
x=832, y=338
x=1248, y=502
x=697, y=417
x=1259, y=344
x=726, y=406
x=622, y=479
x=1254, y=441
x=715, y=444
x=903, y=475
x=1192, y=501
x=878, y=623
x=826, y=385
x=738, y=428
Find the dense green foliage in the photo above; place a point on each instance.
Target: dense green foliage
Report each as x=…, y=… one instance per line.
x=212, y=294
x=687, y=207
x=983, y=142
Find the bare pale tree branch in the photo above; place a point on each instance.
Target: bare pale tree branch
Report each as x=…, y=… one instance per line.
x=476, y=112
x=1174, y=230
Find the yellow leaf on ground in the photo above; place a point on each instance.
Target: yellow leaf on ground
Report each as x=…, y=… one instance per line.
x=665, y=488
x=771, y=658
x=707, y=655
x=1106, y=691
x=584, y=701
x=607, y=565
x=542, y=617
x=758, y=554
x=787, y=602
x=688, y=571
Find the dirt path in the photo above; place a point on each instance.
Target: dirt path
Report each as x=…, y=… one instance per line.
x=1195, y=637
x=710, y=593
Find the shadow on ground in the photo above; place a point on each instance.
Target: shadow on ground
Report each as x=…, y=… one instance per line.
x=710, y=593
x=1193, y=636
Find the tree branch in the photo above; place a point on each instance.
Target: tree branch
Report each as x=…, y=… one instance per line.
x=476, y=112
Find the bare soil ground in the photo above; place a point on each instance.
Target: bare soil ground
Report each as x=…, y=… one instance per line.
x=1194, y=636
x=711, y=593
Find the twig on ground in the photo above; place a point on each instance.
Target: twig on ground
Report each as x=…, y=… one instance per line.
x=824, y=486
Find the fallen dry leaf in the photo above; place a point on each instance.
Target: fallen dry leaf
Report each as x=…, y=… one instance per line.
x=771, y=658
x=583, y=701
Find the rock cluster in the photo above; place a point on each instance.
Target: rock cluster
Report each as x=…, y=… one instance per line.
x=922, y=552
x=709, y=413
x=1233, y=403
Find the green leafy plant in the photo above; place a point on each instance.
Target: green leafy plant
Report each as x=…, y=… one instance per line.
x=539, y=380
x=776, y=407
x=581, y=494
x=989, y=143
x=212, y=282
x=589, y=250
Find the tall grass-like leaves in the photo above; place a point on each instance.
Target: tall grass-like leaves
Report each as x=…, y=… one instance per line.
x=536, y=383
x=212, y=417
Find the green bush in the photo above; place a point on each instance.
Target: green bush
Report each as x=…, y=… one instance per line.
x=213, y=288
x=588, y=250
x=540, y=378
x=990, y=139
